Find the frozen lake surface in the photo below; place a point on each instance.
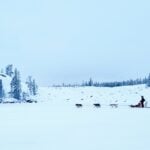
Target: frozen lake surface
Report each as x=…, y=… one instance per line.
x=46, y=126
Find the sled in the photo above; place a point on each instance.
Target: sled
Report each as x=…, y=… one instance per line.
x=135, y=106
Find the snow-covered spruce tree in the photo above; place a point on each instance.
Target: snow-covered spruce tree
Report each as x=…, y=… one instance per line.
x=32, y=86
x=16, y=85
x=9, y=70
x=148, y=81
x=29, y=84
x=1, y=91
x=90, y=83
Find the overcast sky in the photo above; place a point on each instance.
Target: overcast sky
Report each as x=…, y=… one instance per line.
x=72, y=40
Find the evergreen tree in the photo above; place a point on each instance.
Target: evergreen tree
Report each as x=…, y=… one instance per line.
x=29, y=84
x=148, y=81
x=32, y=86
x=1, y=90
x=16, y=85
x=9, y=70
x=90, y=83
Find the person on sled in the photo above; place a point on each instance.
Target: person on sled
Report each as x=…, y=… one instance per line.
x=140, y=104
x=142, y=101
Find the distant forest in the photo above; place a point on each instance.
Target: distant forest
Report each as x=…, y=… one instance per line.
x=90, y=82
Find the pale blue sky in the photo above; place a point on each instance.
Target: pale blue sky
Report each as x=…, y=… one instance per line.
x=70, y=41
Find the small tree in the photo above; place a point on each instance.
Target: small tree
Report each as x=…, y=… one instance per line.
x=90, y=83
x=16, y=85
x=29, y=84
x=32, y=86
x=1, y=91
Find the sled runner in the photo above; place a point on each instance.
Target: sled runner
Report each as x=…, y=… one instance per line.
x=137, y=106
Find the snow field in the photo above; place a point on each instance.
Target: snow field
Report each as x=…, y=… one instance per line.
x=54, y=123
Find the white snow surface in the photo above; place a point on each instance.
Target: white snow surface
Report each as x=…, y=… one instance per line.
x=123, y=96
x=54, y=123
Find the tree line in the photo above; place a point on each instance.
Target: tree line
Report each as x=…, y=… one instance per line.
x=90, y=82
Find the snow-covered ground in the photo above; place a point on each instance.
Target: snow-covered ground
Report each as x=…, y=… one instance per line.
x=54, y=123
x=123, y=96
